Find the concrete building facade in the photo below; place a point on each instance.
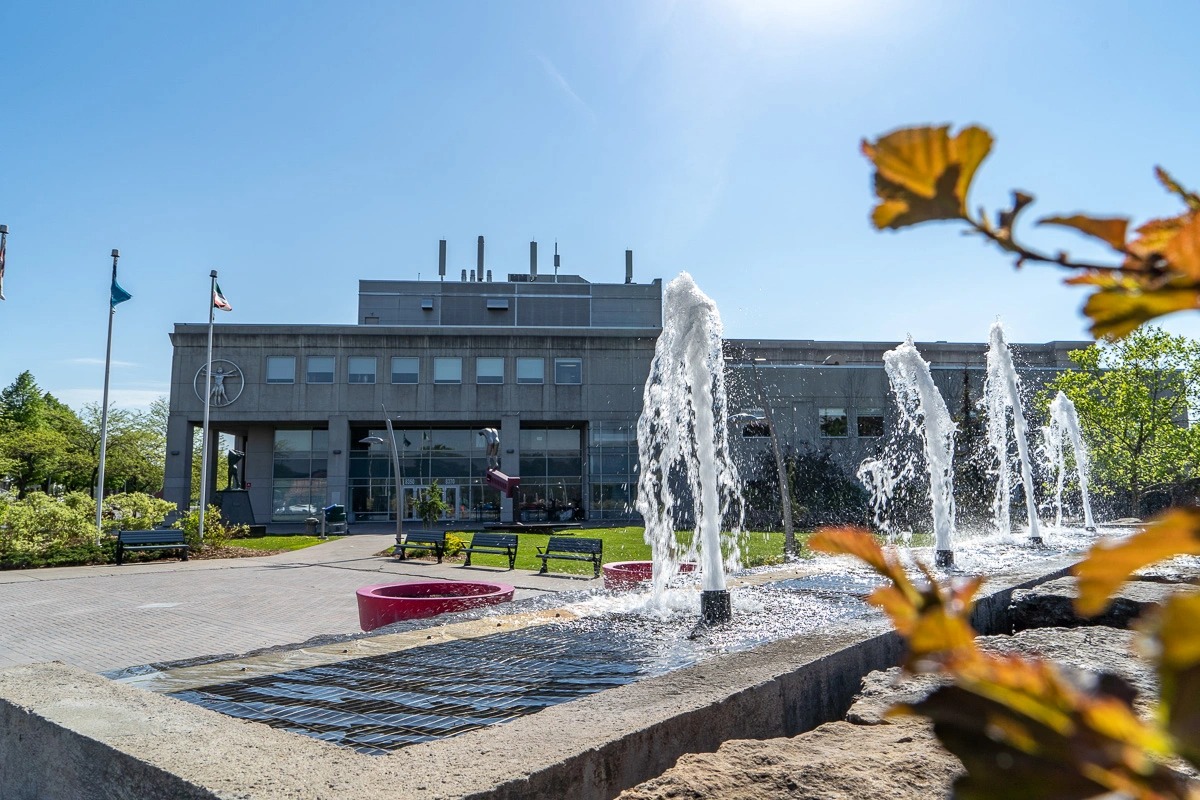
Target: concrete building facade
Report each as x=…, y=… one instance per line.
x=557, y=364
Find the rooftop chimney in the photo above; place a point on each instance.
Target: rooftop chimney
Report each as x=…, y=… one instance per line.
x=533, y=261
x=479, y=260
x=464, y=276
x=472, y=276
x=442, y=259
x=489, y=280
x=557, y=262
x=629, y=266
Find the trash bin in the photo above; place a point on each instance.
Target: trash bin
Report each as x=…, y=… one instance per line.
x=312, y=526
x=335, y=518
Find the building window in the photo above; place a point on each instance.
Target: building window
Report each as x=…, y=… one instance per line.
x=319, y=370
x=833, y=423
x=298, y=485
x=568, y=370
x=754, y=423
x=281, y=369
x=405, y=370
x=361, y=369
x=870, y=422
x=447, y=370
x=531, y=370
x=489, y=370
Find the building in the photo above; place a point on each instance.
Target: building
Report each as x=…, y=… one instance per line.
x=555, y=363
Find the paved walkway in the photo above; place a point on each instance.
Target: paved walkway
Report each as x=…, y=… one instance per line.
x=102, y=618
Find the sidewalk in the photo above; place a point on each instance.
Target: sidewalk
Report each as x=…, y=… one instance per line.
x=107, y=617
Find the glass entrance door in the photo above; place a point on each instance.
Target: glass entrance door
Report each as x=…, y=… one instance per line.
x=449, y=494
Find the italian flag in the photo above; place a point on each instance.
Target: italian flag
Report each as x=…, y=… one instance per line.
x=219, y=300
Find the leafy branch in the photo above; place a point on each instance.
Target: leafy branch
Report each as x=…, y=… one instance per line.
x=923, y=174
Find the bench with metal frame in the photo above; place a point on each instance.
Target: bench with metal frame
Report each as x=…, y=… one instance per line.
x=422, y=540
x=571, y=548
x=501, y=544
x=157, y=539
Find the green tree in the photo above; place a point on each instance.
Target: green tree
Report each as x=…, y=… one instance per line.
x=21, y=402
x=1134, y=397
x=431, y=505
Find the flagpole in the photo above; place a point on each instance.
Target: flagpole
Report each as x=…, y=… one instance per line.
x=3, y=244
x=112, y=312
x=207, y=398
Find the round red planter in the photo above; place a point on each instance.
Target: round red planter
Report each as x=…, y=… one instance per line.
x=391, y=602
x=624, y=575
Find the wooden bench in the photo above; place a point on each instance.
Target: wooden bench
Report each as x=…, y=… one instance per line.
x=571, y=549
x=501, y=544
x=422, y=540
x=158, y=539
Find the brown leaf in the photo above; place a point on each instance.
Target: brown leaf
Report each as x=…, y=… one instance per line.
x=1191, y=198
x=1110, y=230
x=1183, y=251
x=912, y=158
x=970, y=148
x=1155, y=235
x=1109, y=563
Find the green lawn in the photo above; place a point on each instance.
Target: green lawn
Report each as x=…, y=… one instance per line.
x=624, y=544
x=279, y=542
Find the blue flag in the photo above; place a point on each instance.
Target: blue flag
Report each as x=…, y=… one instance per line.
x=119, y=295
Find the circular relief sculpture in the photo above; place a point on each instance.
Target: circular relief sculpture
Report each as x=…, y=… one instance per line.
x=226, y=384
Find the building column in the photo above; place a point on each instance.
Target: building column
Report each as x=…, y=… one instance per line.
x=337, y=475
x=177, y=474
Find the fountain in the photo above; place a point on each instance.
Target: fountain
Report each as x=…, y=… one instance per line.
x=1064, y=419
x=683, y=447
x=1001, y=394
x=383, y=604
x=922, y=412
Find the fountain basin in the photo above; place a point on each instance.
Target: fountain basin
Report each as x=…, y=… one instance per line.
x=627, y=575
x=386, y=603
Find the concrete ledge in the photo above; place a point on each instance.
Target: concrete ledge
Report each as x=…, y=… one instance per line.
x=71, y=734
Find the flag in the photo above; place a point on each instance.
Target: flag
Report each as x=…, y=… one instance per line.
x=219, y=300
x=119, y=295
x=3, y=244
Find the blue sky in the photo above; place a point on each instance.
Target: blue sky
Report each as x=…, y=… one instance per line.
x=298, y=147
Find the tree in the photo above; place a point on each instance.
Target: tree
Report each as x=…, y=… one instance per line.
x=1134, y=397
x=431, y=505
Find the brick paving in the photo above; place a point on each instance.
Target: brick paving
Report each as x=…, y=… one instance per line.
x=106, y=617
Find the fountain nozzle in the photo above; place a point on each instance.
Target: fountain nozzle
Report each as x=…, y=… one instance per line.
x=1035, y=541
x=943, y=559
x=715, y=607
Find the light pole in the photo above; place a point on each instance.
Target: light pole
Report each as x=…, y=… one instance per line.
x=391, y=440
x=785, y=485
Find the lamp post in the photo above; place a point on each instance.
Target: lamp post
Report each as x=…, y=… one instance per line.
x=785, y=485
x=391, y=440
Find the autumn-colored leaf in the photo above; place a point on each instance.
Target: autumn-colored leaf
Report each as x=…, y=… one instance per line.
x=1116, y=311
x=1109, y=563
x=1191, y=198
x=1154, y=236
x=850, y=542
x=1110, y=230
x=1183, y=251
x=923, y=174
x=1179, y=672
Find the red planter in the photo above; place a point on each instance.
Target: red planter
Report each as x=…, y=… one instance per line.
x=391, y=602
x=625, y=575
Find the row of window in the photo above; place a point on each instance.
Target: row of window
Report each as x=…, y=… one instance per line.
x=833, y=423
x=405, y=369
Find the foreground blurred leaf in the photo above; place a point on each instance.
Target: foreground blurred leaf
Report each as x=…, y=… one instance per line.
x=1191, y=198
x=1022, y=731
x=1109, y=564
x=923, y=174
x=1183, y=251
x=934, y=619
x=1154, y=235
x=1179, y=672
x=1117, y=310
x=1110, y=230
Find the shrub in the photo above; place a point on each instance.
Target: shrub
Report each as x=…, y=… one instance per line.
x=454, y=544
x=216, y=533
x=134, y=511
x=41, y=524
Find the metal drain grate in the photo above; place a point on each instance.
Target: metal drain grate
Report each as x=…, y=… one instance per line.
x=382, y=703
